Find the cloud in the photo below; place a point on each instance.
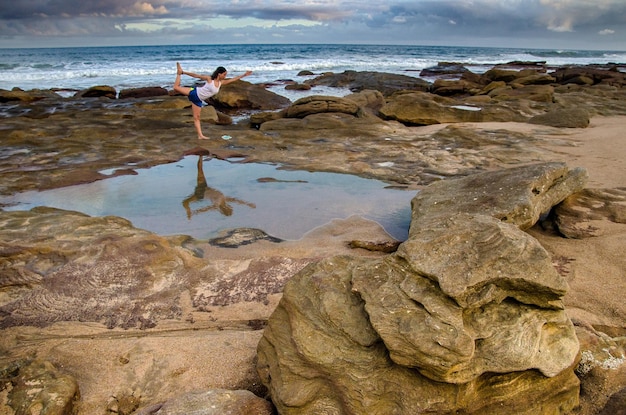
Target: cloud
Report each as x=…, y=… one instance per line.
x=605, y=32
x=315, y=21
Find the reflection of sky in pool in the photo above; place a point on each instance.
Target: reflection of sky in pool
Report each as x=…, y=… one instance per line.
x=155, y=199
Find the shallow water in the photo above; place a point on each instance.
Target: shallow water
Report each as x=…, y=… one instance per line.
x=180, y=198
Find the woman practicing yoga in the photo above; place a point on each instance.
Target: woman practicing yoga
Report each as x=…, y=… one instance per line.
x=199, y=95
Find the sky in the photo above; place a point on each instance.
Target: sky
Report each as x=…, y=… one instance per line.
x=549, y=24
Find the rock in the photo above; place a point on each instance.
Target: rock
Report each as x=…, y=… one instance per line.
x=446, y=87
x=602, y=370
x=317, y=104
x=97, y=92
x=244, y=95
x=359, y=81
x=386, y=246
x=581, y=214
x=259, y=118
x=241, y=236
x=518, y=196
x=536, y=79
x=298, y=87
x=589, y=75
x=368, y=99
x=419, y=108
x=467, y=311
x=492, y=86
x=353, y=105
x=503, y=75
x=143, y=92
x=26, y=96
x=496, y=284
x=212, y=402
x=563, y=118
x=327, y=121
x=128, y=264
x=39, y=387
x=443, y=69
x=538, y=93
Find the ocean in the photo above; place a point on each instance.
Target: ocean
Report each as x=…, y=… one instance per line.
x=70, y=69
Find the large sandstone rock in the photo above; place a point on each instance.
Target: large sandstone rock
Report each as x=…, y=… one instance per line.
x=386, y=83
x=590, y=75
x=465, y=316
x=317, y=104
x=244, y=95
x=26, y=96
x=98, y=91
x=419, y=108
x=518, y=196
x=154, y=91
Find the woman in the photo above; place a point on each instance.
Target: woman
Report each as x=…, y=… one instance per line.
x=198, y=96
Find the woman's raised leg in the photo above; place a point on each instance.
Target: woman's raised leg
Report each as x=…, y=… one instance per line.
x=180, y=89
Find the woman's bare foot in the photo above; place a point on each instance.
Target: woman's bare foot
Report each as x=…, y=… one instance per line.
x=202, y=137
x=179, y=69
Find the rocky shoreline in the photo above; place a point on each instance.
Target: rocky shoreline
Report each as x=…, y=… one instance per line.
x=113, y=319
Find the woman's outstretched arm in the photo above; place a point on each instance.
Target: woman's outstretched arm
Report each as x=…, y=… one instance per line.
x=195, y=75
x=229, y=80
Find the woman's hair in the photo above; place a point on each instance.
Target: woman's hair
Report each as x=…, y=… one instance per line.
x=219, y=70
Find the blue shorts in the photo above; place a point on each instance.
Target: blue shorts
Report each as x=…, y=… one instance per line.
x=193, y=97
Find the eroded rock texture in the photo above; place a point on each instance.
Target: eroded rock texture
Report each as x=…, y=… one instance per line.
x=466, y=317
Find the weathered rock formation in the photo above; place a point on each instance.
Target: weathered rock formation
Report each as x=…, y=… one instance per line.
x=467, y=316
x=379, y=81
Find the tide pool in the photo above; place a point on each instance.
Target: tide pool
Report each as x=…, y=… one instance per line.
x=200, y=197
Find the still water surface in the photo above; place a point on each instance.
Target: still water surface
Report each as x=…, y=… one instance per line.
x=201, y=199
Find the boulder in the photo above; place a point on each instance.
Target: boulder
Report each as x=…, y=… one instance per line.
x=358, y=81
x=518, y=196
x=419, y=108
x=298, y=87
x=589, y=75
x=537, y=93
x=447, y=87
x=26, y=96
x=465, y=317
x=503, y=75
x=368, y=99
x=97, y=92
x=244, y=95
x=152, y=91
x=317, y=104
x=443, y=69
x=329, y=121
x=536, y=79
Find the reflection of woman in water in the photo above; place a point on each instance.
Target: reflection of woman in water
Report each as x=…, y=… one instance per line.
x=217, y=198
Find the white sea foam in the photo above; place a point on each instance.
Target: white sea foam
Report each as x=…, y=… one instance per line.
x=129, y=67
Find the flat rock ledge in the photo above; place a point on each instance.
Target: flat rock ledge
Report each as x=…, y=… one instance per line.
x=466, y=316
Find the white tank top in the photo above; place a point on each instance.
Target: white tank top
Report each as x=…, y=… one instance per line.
x=207, y=90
